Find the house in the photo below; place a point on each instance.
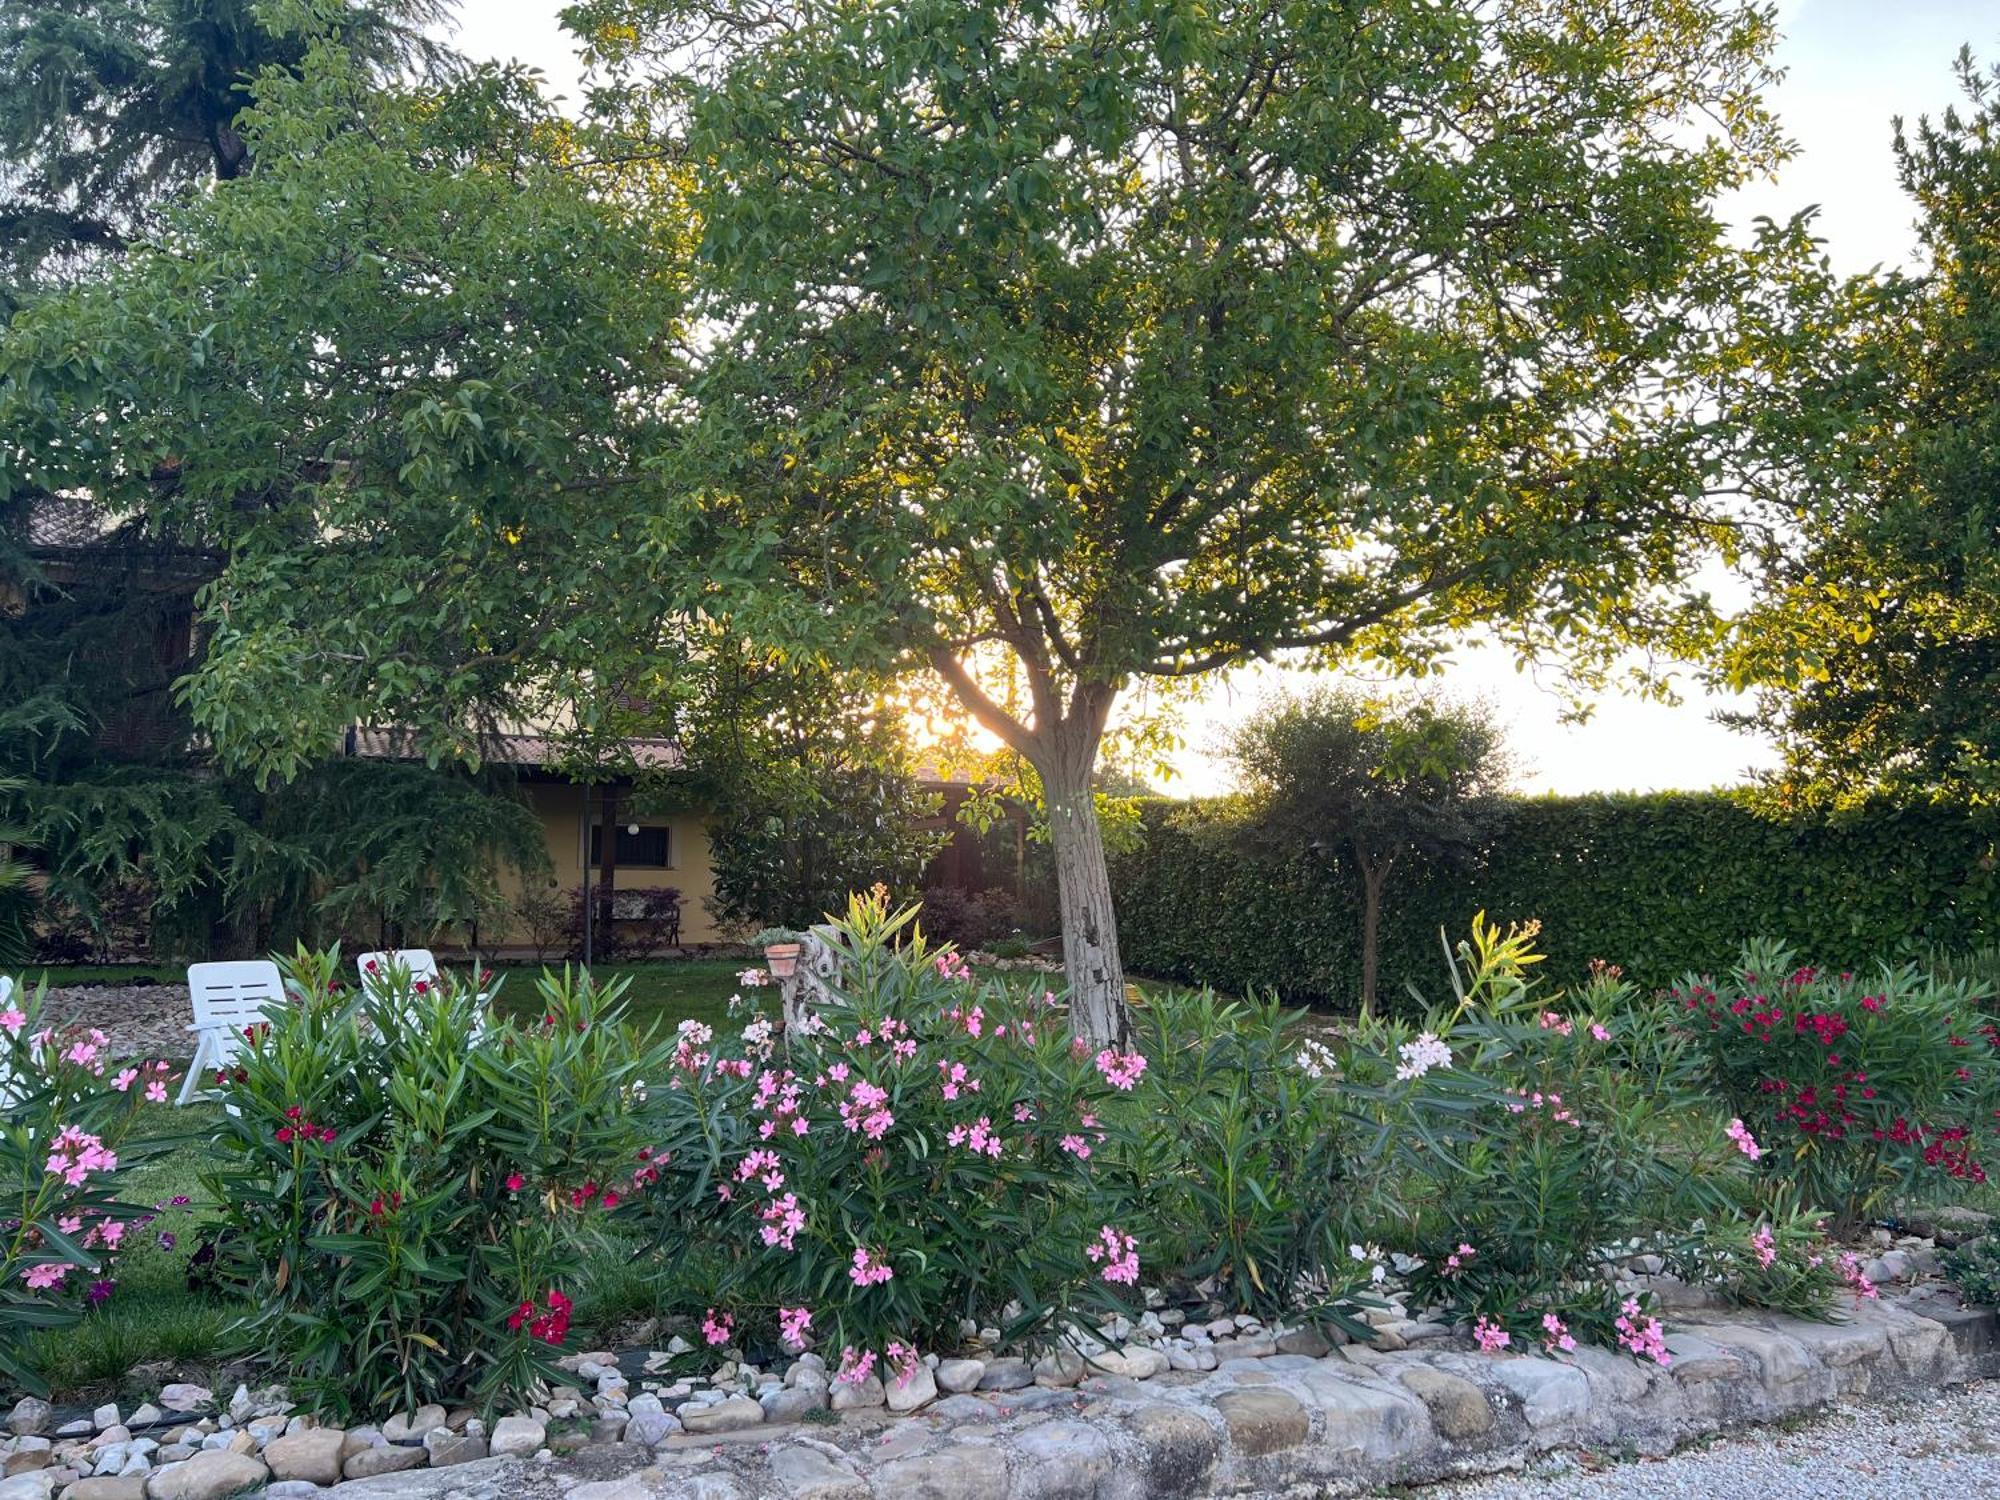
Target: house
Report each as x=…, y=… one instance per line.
x=646, y=852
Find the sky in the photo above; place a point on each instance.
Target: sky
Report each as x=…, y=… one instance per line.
x=1851, y=65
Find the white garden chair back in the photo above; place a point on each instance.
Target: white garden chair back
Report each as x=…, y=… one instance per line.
x=227, y=998
x=422, y=965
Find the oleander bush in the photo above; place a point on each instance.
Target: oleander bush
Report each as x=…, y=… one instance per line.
x=408, y=1184
x=1859, y=1084
x=924, y=1150
x=68, y=1118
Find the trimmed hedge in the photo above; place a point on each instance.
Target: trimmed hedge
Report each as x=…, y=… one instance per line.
x=1661, y=883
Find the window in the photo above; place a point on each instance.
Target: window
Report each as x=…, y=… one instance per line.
x=649, y=848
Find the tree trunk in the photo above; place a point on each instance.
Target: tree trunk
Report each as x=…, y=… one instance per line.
x=1083, y=896
x=1373, y=877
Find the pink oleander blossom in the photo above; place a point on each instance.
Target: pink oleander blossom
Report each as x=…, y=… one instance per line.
x=1556, y=1337
x=1121, y=1069
x=854, y=1367
x=13, y=1020
x=1641, y=1334
x=867, y=1271
x=46, y=1275
x=1745, y=1141
x=904, y=1360
x=1490, y=1336
x=1850, y=1270
x=1600, y=1031
x=1119, y=1253
x=794, y=1323
x=717, y=1329
x=1764, y=1245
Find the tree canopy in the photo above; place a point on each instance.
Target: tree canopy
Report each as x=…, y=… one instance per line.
x=1049, y=349
x=1878, y=621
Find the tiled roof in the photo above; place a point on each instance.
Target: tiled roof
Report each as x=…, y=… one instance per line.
x=512, y=749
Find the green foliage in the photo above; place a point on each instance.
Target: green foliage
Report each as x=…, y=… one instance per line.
x=1974, y=1268
x=1334, y=778
x=115, y=106
x=811, y=776
x=1877, y=627
x=890, y=1170
x=1858, y=1084
x=406, y=1184
x=1657, y=882
x=63, y=1101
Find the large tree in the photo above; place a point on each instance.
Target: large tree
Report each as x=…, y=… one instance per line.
x=1080, y=344
x=1878, y=622
x=1046, y=349
x=113, y=106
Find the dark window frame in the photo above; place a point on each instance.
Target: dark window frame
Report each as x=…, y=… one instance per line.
x=633, y=849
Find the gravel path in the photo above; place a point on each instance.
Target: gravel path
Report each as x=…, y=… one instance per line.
x=1943, y=1446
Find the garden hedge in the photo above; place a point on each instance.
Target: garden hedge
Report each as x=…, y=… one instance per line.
x=1661, y=883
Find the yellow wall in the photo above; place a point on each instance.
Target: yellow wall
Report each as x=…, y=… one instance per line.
x=560, y=808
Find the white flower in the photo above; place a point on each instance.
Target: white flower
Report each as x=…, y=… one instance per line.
x=1359, y=1252
x=752, y=978
x=1420, y=1056
x=1315, y=1060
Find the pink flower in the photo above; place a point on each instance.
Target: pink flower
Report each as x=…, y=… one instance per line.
x=951, y=966
x=515, y=1182
x=867, y=1271
x=13, y=1020
x=1850, y=1269
x=1556, y=1337
x=46, y=1275
x=1765, y=1244
x=854, y=1368
x=1119, y=1252
x=716, y=1330
x=1490, y=1336
x=156, y=1092
x=1600, y=1031
x=1642, y=1335
x=1458, y=1259
x=1120, y=1069
x=1745, y=1141
x=1553, y=1022
x=1076, y=1146
x=125, y=1079
x=906, y=1361
x=793, y=1325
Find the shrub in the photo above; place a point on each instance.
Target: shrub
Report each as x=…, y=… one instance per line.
x=1595, y=1137
x=407, y=1184
x=67, y=1116
x=1975, y=1268
x=969, y=919
x=1859, y=1085
x=923, y=1150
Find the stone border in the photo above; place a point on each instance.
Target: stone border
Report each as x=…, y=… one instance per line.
x=1350, y=1421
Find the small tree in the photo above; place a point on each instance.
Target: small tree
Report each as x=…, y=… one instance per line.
x=1335, y=776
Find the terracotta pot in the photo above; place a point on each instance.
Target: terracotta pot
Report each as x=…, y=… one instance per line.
x=782, y=959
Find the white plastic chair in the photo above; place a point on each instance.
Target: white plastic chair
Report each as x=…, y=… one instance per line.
x=420, y=963
x=227, y=997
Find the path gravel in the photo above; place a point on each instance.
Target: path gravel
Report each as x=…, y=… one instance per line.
x=1947, y=1445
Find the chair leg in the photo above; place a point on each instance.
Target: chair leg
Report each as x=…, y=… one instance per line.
x=201, y=1051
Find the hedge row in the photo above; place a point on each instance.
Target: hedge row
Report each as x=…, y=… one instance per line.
x=1663, y=884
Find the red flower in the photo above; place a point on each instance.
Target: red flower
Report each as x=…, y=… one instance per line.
x=375, y=1209
x=610, y=1199
x=284, y=1134
x=514, y=1181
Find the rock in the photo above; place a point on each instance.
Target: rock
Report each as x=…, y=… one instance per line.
x=606, y=1429
x=1263, y=1420
x=106, y=1416
x=906, y=1393
x=956, y=1376
x=793, y=1403
x=650, y=1429
x=1060, y=1367
x=521, y=1436
x=407, y=1425
x=1307, y=1341
x=183, y=1397
x=108, y=1487
x=1134, y=1362
x=1387, y=1340
x=1458, y=1408
x=30, y=1415
x=1249, y=1346
x=314, y=1455
x=447, y=1448
x=1007, y=1373
x=731, y=1414
x=390, y=1458
x=960, y=1472
x=206, y=1476
x=855, y=1395
x=359, y=1440
x=38, y=1484
x=809, y=1474
x=1551, y=1393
